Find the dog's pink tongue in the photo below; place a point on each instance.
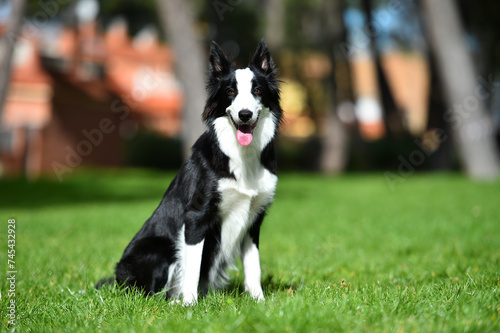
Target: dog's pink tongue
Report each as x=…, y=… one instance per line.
x=244, y=138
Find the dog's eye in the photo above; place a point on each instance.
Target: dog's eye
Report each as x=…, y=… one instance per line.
x=257, y=91
x=230, y=91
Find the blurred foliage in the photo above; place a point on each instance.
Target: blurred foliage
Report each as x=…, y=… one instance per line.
x=152, y=150
x=138, y=13
x=238, y=25
x=45, y=9
x=237, y=28
x=296, y=25
x=483, y=24
x=244, y=22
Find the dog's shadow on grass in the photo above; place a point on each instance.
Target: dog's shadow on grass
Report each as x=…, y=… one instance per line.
x=270, y=284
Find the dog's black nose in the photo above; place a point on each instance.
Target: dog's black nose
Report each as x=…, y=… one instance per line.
x=245, y=115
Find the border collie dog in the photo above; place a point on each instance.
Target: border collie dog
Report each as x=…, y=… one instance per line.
x=213, y=209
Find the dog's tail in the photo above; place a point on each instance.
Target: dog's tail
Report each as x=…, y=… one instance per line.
x=105, y=282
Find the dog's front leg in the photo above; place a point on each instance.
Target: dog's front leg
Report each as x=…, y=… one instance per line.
x=251, y=268
x=191, y=278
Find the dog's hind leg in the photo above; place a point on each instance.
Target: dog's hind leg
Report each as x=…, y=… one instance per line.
x=105, y=282
x=145, y=264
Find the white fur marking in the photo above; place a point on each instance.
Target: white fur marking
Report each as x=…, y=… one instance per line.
x=244, y=98
x=251, y=269
x=191, y=278
x=176, y=270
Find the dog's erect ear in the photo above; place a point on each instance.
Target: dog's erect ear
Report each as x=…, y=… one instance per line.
x=219, y=64
x=262, y=59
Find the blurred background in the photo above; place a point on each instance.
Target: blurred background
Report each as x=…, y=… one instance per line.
x=394, y=86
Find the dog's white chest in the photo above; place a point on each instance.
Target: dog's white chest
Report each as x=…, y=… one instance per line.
x=247, y=196
x=242, y=200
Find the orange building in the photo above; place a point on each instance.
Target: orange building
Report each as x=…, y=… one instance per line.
x=408, y=76
x=78, y=97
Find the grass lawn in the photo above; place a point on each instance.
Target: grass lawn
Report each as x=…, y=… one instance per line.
x=340, y=254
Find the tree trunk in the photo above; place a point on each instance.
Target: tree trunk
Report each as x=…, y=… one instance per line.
x=393, y=119
x=274, y=34
x=333, y=158
x=178, y=21
x=7, y=44
x=471, y=125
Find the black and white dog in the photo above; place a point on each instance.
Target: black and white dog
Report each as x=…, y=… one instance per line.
x=214, y=207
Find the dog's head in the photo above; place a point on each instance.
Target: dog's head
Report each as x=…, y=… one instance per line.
x=247, y=97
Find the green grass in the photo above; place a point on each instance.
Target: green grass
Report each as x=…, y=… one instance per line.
x=338, y=254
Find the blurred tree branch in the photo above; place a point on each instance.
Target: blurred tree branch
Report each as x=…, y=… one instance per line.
x=393, y=118
x=470, y=123
x=178, y=20
x=7, y=44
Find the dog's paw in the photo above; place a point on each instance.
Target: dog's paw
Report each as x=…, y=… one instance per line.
x=175, y=301
x=189, y=300
x=255, y=291
x=257, y=295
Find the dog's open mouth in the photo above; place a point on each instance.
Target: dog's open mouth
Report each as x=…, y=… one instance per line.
x=244, y=132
